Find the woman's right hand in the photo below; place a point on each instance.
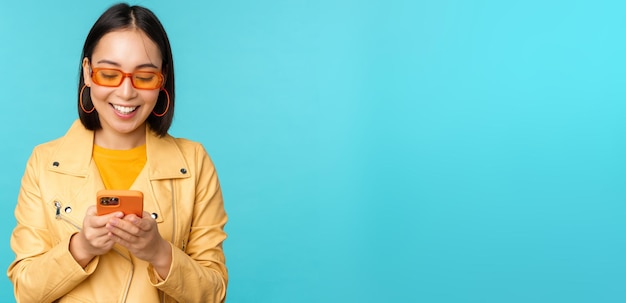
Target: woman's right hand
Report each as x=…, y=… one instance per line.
x=94, y=239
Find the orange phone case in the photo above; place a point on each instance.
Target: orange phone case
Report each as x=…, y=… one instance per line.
x=126, y=201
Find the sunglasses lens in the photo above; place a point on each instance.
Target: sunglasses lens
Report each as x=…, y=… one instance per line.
x=147, y=80
x=108, y=77
x=114, y=77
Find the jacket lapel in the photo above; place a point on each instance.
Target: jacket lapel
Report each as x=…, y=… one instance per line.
x=73, y=155
x=165, y=159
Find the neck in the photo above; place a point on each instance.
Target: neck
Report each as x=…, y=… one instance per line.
x=120, y=141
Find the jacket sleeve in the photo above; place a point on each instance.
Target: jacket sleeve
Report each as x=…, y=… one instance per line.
x=42, y=270
x=201, y=266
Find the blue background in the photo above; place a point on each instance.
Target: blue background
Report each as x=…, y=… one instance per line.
x=375, y=151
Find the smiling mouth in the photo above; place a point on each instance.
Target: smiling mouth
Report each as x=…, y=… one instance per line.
x=124, y=109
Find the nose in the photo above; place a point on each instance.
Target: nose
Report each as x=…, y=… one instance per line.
x=126, y=89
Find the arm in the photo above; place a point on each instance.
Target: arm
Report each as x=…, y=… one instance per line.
x=42, y=270
x=201, y=266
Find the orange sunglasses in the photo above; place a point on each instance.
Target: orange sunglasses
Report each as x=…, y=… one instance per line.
x=112, y=77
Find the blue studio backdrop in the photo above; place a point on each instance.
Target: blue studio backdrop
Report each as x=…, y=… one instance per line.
x=375, y=151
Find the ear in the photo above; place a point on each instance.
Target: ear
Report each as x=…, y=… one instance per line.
x=87, y=71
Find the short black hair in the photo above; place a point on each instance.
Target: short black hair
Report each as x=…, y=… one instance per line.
x=123, y=16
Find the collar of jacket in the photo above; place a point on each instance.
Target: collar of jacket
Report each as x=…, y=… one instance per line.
x=73, y=155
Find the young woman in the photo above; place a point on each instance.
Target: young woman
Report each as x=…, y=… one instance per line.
x=65, y=251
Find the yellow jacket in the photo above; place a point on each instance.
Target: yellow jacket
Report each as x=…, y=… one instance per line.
x=180, y=187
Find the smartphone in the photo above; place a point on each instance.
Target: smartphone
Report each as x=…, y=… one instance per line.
x=126, y=201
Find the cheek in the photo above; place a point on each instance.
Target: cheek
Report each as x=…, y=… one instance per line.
x=149, y=97
x=100, y=94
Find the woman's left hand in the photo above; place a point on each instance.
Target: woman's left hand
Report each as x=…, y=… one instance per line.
x=141, y=237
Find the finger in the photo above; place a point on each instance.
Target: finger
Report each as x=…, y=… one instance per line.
x=122, y=241
x=125, y=239
x=92, y=211
x=93, y=228
x=120, y=233
x=104, y=241
x=124, y=225
x=100, y=221
x=145, y=223
x=94, y=234
x=103, y=244
x=100, y=244
x=132, y=218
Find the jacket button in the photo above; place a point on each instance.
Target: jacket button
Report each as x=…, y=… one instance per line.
x=55, y=164
x=68, y=210
x=184, y=171
x=154, y=216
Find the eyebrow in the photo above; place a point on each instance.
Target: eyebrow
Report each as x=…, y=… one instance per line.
x=118, y=65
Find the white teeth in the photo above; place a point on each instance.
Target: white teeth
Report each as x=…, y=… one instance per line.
x=124, y=109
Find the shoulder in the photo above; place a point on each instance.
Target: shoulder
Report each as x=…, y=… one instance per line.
x=50, y=145
x=73, y=149
x=186, y=143
x=48, y=148
x=75, y=133
x=41, y=155
x=191, y=147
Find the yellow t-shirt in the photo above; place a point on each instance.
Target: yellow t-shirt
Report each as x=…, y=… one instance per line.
x=119, y=168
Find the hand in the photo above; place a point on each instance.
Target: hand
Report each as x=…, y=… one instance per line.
x=94, y=239
x=141, y=237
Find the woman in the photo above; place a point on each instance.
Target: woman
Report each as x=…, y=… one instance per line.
x=64, y=251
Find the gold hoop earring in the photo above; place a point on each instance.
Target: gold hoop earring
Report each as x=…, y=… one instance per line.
x=167, y=106
x=80, y=101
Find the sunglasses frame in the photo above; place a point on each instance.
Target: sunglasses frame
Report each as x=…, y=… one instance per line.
x=94, y=70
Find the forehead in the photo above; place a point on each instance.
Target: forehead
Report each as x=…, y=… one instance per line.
x=127, y=48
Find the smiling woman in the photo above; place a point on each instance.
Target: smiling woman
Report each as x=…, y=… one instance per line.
x=122, y=106
x=141, y=46
x=170, y=253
